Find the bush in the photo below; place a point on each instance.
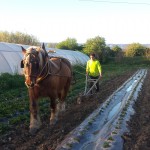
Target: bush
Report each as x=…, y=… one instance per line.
x=135, y=49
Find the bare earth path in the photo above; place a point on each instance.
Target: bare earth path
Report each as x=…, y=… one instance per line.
x=49, y=137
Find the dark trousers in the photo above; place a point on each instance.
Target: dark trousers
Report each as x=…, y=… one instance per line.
x=97, y=84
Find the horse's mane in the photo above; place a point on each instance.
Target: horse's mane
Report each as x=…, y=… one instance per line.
x=41, y=53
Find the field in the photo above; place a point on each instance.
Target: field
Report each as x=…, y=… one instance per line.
x=14, y=111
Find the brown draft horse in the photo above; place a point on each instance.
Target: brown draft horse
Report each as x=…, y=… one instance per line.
x=45, y=77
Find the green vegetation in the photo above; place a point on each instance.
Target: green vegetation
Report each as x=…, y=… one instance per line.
x=106, y=145
x=18, y=38
x=14, y=101
x=114, y=132
x=8, y=82
x=135, y=49
x=96, y=45
x=68, y=44
x=110, y=138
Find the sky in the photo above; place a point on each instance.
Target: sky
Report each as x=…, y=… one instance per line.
x=53, y=21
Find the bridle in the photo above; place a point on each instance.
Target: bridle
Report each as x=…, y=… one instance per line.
x=31, y=62
x=39, y=76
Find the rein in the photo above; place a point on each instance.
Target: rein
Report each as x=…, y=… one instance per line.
x=40, y=78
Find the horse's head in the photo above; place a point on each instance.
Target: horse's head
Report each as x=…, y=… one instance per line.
x=32, y=63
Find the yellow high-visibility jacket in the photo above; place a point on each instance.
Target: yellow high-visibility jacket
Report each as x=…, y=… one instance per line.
x=93, y=67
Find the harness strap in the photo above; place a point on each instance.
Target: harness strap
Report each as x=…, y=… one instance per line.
x=48, y=71
x=40, y=78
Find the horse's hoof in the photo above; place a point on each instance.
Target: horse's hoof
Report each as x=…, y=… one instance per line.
x=79, y=100
x=33, y=131
x=53, y=122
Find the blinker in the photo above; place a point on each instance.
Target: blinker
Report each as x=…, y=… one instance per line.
x=22, y=64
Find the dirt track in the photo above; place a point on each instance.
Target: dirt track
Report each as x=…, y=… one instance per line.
x=48, y=137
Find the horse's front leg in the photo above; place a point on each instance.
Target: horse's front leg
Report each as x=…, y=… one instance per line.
x=54, y=112
x=35, y=121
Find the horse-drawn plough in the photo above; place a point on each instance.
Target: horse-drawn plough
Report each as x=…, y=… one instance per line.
x=89, y=90
x=92, y=89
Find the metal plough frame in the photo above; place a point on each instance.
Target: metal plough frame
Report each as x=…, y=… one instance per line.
x=88, y=80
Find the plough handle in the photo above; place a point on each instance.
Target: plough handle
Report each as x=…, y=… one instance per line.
x=85, y=84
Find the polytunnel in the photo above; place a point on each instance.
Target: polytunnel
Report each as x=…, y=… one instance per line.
x=11, y=56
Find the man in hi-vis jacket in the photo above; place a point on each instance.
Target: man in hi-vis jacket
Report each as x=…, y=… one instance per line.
x=94, y=69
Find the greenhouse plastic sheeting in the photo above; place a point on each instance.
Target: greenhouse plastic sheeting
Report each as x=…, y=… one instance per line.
x=13, y=60
x=11, y=56
x=75, y=57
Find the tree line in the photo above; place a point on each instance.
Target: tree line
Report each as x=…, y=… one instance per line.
x=18, y=38
x=96, y=45
x=104, y=52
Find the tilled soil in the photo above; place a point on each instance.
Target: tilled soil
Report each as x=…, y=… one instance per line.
x=48, y=137
x=139, y=125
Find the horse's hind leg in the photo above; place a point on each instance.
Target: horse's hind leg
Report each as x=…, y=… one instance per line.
x=61, y=105
x=54, y=113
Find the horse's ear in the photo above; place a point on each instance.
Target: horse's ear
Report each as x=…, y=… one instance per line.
x=43, y=47
x=23, y=50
